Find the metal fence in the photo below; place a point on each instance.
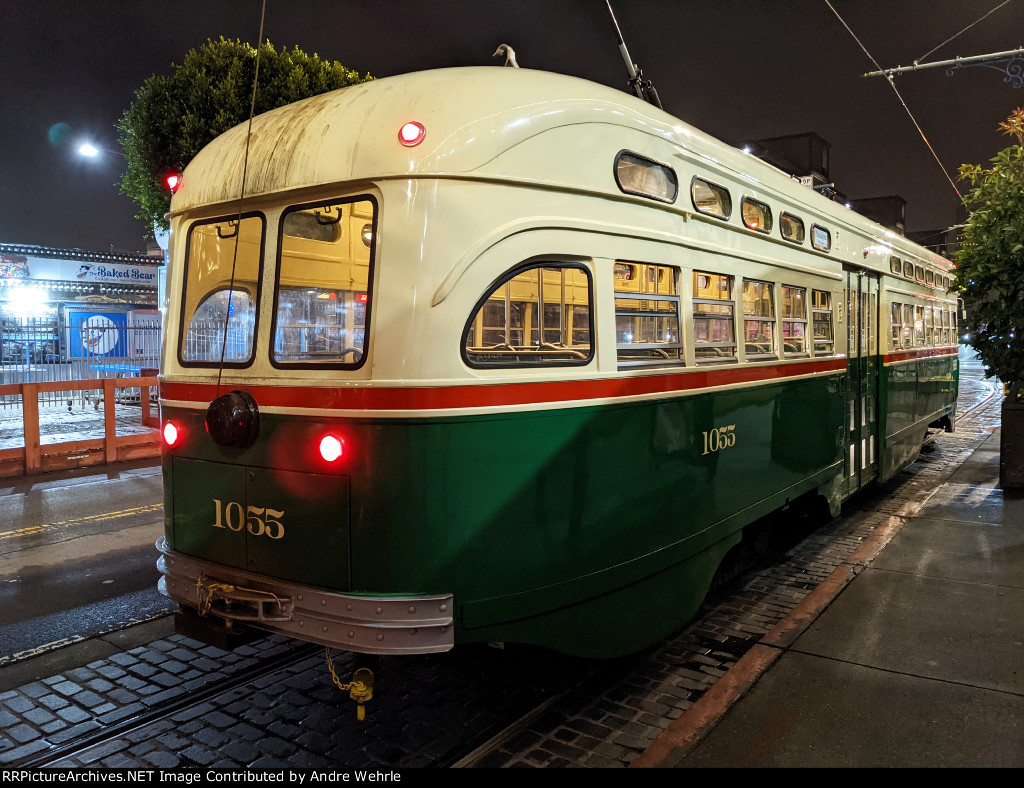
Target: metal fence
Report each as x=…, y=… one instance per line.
x=35, y=350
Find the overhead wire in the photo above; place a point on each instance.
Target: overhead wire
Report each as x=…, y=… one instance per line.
x=972, y=24
x=241, y=198
x=892, y=84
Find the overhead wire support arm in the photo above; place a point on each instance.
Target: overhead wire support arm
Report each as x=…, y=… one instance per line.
x=1010, y=63
x=643, y=88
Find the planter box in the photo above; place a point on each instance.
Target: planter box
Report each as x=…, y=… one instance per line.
x=1011, y=446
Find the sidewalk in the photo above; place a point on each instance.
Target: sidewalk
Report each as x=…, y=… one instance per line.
x=57, y=424
x=910, y=655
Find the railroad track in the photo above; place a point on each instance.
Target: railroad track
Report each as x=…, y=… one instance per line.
x=81, y=744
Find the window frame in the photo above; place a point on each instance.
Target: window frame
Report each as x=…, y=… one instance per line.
x=645, y=159
x=731, y=301
x=828, y=234
x=765, y=211
x=792, y=321
x=257, y=300
x=506, y=277
x=772, y=320
x=714, y=187
x=370, y=276
x=831, y=322
x=908, y=270
x=628, y=362
x=783, y=218
x=895, y=265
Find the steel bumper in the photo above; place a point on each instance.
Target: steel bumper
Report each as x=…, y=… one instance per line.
x=364, y=624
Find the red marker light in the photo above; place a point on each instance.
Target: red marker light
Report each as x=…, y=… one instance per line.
x=361, y=298
x=411, y=133
x=171, y=433
x=173, y=181
x=331, y=448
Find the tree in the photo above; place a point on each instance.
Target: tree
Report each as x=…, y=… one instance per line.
x=174, y=116
x=990, y=262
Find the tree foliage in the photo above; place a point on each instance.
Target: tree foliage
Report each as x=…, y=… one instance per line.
x=990, y=262
x=174, y=116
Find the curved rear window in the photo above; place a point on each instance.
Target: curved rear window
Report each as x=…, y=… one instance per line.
x=223, y=261
x=324, y=276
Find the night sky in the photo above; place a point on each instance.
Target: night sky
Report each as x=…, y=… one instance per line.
x=736, y=69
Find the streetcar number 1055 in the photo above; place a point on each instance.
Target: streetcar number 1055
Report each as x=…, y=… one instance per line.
x=719, y=439
x=259, y=522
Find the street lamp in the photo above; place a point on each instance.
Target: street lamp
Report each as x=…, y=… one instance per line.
x=90, y=151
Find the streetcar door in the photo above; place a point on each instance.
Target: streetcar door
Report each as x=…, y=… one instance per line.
x=862, y=368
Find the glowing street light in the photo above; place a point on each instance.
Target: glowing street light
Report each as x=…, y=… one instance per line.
x=90, y=151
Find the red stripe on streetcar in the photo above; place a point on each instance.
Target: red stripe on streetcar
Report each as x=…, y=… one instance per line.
x=498, y=394
x=908, y=355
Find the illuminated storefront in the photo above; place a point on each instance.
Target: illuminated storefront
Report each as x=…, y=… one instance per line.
x=78, y=308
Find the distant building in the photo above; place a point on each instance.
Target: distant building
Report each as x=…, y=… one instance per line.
x=53, y=303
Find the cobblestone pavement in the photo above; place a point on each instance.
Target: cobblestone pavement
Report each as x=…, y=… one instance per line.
x=425, y=706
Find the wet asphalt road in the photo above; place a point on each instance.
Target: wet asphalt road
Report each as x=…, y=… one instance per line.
x=77, y=555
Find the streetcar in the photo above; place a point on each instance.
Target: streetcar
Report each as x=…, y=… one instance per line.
x=496, y=355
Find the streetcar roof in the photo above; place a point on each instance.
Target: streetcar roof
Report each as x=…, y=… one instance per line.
x=471, y=115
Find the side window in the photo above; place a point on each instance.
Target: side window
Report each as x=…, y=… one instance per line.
x=919, y=273
x=222, y=273
x=908, y=326
x=794, y=321
x=929, y=277
x=538, y=316
x=758, y=319
x=711, y=199
x=792, y=228
x=636, y=174
x=937, y=333
x=895, y=266
x=756, y=215
x=821, y=315
x=647, y=314
x=714, y=327
x=920, y=338
x=322, y=298
x=908, y=270
x=821, y=239
x=897, y=324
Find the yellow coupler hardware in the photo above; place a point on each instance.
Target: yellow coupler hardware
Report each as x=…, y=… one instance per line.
x=360, y=689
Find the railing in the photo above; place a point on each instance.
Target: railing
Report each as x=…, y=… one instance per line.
x=36, y=457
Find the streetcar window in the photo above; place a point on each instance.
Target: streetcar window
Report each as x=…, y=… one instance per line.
x=897, y=324
x=711, y=199
x=792, y=228
x=895, y=265
x=756, y=215
x=220, y=302
x=821, y=316
x=540, y=316
x=937, y=338
x=821, y=239
x=638, y=175
x=929, y=326
x=714, y=329
x=919, y=273
x=794, y=321
x=322, y=297
x=758, y=319
x=920, y=339
x=908, y=270
x=908, y=326
x=647, y=316
x=929, y=278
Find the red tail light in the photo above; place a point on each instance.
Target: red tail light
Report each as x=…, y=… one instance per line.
x=331, y=448
x=171, y=433
x=411, y=133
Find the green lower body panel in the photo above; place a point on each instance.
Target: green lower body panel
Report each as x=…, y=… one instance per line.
x=594, y=530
